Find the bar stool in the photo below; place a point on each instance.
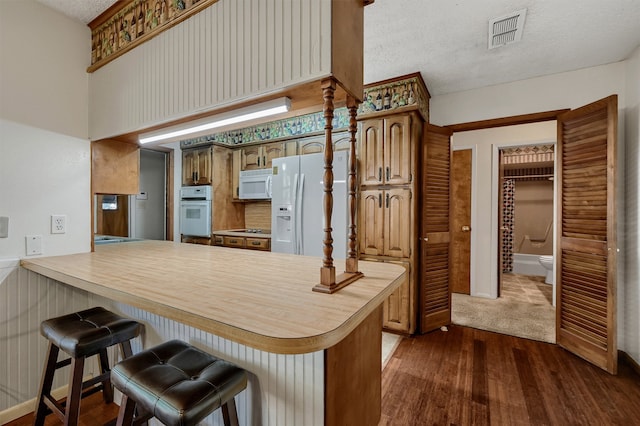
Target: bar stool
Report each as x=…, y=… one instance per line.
x=178, y=384
x=81, y=335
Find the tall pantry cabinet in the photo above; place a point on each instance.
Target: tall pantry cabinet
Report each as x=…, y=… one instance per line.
x=389, y=152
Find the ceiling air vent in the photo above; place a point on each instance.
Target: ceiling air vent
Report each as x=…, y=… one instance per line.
x=506, y=29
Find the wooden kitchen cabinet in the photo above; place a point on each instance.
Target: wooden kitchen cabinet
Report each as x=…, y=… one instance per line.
x=385, y=222
x=386, y=150
x=260, y=156
x=388, y=208
x=315, y=144
x=239, y=241
x=197, y=166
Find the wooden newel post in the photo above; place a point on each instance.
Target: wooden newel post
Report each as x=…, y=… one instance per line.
x=329, y=283
x=328, y=271
x=352, y=259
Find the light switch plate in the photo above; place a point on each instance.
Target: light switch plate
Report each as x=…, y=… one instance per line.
x=34, y=244
x=4, y=226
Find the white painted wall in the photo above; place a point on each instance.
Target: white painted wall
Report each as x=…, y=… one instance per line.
x=557, y=91
x=44, y=55
x=45, y=168
x=630, y=250
x=45, y=158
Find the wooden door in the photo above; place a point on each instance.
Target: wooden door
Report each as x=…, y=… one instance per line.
x=397, y=150
x=587, y=248
x=371, y=152
x=188, y=167
x=397, y=222
x=113, y=221
x=435, y=299
x=396, y=309
x=461, y=221
x=251, y=157
x=370, y=231
x=204, y=170
x=271, y=151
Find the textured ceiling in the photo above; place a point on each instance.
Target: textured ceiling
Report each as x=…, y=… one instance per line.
x=446, y=40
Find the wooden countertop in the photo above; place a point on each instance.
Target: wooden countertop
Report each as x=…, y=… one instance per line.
x=260, y=299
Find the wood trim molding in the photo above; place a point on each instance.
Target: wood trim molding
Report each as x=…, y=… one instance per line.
x=507, y=121
x=626, y=358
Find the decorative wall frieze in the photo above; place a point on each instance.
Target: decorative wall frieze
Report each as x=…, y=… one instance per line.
x=286, y=128
x=528, y=154
x=395, y=95
x=129, y=23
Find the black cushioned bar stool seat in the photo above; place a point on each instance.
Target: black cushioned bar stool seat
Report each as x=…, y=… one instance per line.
x=178, y=384
x=81, y=335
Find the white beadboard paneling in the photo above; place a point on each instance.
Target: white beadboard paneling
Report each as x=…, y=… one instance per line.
x=27, y=299
x=230, y=51
x=282, y=390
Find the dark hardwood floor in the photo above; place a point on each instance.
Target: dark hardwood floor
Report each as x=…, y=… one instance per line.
x=472, y=377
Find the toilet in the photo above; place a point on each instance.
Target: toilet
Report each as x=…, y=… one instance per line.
x=547, y=262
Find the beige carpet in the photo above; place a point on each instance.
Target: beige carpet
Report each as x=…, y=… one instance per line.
x=523, y=310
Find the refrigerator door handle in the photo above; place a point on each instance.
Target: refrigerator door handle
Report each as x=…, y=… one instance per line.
x=294, y=216
x=299, y=215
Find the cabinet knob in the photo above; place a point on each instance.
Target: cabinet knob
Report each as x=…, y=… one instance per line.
x=466, y=228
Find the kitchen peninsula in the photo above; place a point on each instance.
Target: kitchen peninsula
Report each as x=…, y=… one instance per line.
x=314, y=358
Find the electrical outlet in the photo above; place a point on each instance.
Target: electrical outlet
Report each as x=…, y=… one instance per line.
x=58, y=224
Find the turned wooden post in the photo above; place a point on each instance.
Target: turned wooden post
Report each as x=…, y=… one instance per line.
x=328, y=271
x=352, y=259
x=329, y=283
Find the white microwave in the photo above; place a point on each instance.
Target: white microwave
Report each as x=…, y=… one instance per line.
x=255, y=184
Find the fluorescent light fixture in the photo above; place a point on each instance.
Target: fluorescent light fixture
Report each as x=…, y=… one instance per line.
x=252, y=112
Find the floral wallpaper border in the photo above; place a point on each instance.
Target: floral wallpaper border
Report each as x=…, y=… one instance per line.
x=396, y=95
x=273, y=131
x=135, y=22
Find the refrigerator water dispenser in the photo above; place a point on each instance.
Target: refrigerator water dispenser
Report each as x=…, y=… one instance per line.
x=284, y=224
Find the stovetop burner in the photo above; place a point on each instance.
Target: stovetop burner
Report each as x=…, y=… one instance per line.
x=254, y=231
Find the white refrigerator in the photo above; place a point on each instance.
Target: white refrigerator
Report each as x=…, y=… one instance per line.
x=297, y=212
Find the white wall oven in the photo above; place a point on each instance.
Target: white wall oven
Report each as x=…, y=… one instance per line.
x=195, y=211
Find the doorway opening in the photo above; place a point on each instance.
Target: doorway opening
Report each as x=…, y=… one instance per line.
x=526, y=238
x=517, y=301
x=144, y=215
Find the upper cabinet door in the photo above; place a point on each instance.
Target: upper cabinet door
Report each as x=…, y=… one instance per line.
x=188, y=168
x=269, y=152
x=371, y=154
x=204, y=172
x=251, y=157
x=397, y=150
